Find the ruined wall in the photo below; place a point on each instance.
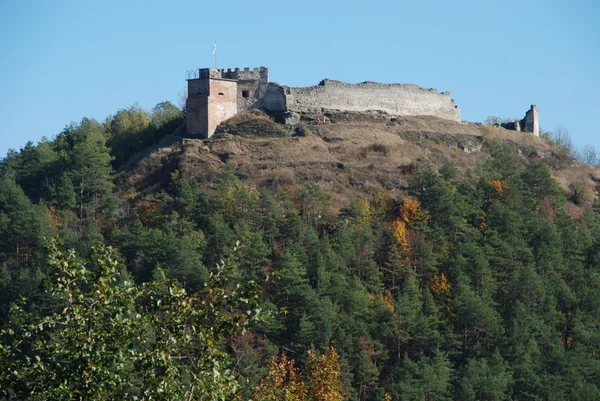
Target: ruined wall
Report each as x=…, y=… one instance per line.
x=398, y=99
x=531, y=121
x=273, y=98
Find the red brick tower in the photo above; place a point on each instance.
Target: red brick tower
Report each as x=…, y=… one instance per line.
x=211, y=100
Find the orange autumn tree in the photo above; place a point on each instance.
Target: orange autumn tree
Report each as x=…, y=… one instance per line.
x=409, y=215
x=283, y=382
x=412, y=213
x=501, y=186
x=149, y=213
x=403, y=258
x=325, y=371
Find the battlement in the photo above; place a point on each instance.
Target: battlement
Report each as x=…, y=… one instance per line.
x=370, y=85
x=245, y=74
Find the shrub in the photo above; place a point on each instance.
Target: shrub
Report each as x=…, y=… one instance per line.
x=304, y=131
x=579, y=192
x=380, y=148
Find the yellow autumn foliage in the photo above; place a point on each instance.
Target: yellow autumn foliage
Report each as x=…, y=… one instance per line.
x=282, y=383
x=325, y=377
x=365, y=211
x=235, y=199
x=439, y=284
x=383, y=204
x=386, y=297
x=398, y=228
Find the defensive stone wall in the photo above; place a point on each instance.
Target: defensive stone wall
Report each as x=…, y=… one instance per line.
x=215, y=95
x=273, y=98
x=397, y=99
x=245, y=74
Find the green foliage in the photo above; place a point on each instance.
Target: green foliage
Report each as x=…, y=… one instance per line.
x=91, y=172
x=111, y=339
x=474, y=287
x=448, y=171
x=486, y=379
x=22, y=224
x=579, y=192
x=64, y=193
x=165, y=117
x=132, y=130
x=304, y=131
x=426, y=379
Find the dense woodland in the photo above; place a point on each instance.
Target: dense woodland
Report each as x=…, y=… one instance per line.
x=475, y=286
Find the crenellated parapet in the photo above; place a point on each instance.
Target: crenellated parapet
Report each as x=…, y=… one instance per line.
x=239, y=74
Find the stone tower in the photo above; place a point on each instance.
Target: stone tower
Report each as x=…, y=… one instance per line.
x=531, y=121
x=211, y=100
x=216, y=95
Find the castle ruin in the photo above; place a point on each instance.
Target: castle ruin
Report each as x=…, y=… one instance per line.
x=214, y=95
x=530, y=123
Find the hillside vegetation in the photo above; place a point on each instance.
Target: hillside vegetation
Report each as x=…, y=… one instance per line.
x=373, y=258
x=351, y=156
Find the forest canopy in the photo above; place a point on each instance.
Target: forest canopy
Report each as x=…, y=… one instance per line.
x=474, y=286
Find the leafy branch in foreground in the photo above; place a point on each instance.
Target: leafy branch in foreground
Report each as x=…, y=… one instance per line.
x=111, y=339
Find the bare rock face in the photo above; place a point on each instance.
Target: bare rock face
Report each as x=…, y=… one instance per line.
x=288, y=118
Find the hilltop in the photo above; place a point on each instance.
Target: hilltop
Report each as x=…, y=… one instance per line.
x=351, y=155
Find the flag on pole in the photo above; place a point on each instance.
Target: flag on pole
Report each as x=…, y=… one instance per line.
x=215, y=49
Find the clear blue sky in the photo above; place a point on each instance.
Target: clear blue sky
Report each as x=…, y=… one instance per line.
x=61, y=60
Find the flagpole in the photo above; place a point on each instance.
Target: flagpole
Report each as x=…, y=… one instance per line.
x=215, y=52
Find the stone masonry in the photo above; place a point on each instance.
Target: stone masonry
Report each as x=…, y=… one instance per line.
x=395, y=99
x=530, y=123
x=216, y=95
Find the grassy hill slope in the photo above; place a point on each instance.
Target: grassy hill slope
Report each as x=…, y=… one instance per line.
x=350, y=156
